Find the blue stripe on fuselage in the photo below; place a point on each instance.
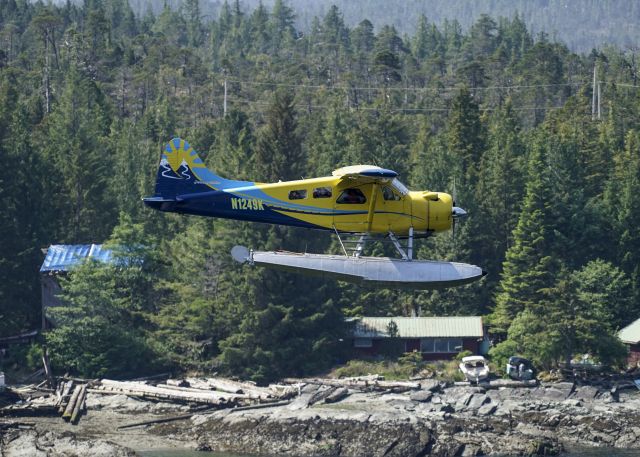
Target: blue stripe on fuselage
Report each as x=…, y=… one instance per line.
x=218, y=204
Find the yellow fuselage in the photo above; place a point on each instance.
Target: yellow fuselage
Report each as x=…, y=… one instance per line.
x=358, y=198
x=424, y=211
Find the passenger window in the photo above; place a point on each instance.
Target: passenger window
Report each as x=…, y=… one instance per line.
x=389, y=194
x=352, y=196
x=298, y=194
x=322, y=192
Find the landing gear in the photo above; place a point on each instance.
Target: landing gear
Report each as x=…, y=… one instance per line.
x=353, y=244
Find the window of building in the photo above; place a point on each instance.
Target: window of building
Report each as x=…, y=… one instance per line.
x=389, y=195
x=427, y=345
x=441, y=345
x=298, y=194
x=322, y=192
x=351, y=196
x=455, y=344
x=362, y=342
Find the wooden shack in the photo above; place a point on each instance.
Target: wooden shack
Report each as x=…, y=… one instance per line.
x=630, y=336
x=59, y=260
x=436, y=338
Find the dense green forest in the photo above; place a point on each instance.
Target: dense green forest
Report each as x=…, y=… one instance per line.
x=89, y=94
x=581, y=24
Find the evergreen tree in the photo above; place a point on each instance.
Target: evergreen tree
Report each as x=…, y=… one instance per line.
x=278, y=153
x=529, y=266
x=21, y=229
x=466, y=137
x=99, y=330
x=500, y=189
x=76, y=146
x=628, y=212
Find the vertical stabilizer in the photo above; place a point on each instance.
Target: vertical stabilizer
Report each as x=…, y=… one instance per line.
x=182, y=172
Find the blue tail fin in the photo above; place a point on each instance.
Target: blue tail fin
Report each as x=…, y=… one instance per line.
x=182, y=172
x=178, y=171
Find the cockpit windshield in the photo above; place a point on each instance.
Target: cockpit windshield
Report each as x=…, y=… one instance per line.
x=401, y=188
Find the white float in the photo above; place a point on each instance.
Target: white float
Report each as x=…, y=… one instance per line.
x=375, y=271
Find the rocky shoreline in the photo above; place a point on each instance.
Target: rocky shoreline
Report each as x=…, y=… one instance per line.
x=437, y=420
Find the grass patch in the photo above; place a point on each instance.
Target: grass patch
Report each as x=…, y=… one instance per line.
x=401, y=369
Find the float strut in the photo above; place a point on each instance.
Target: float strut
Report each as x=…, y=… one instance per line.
x=398, y=246
x=410, y=244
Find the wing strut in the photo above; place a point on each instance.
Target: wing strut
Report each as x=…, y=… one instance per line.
x=372, y=206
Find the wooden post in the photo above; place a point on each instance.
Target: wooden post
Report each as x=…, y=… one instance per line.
x=47, y=368
x=593, y=93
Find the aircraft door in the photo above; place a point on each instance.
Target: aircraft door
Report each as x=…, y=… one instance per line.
x=393, y=210
x=351, y=206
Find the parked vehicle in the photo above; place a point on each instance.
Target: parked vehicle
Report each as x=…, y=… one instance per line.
x=520, y=369
x=475, y=368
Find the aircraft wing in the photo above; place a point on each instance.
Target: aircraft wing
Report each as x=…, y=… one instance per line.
x=365, y=174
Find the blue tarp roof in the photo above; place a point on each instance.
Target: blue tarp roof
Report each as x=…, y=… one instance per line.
x=63, y=257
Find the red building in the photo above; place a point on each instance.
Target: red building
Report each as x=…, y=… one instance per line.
x=436, y=338
x=630, y=335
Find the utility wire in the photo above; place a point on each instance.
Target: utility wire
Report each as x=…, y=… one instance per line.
x=409, y=89
x=368, y=108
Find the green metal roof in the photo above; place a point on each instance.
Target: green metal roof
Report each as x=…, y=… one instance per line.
x=419, y=327
x=631, y=333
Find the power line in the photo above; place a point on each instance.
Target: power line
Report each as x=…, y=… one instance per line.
x=620, y=84
x=393, y=110
x=410, y=89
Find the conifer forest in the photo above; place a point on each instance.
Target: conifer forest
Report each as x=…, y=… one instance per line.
x=544, y=156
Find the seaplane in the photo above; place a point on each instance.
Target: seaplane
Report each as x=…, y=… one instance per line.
x=360, y=204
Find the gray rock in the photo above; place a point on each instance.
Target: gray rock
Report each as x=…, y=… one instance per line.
x=558, y=391
x=431, y=385
x=464, y=400
x=586, y=393
x=447, y=408
x=421, y=396
x=50, y=444
x=487, y=409
x=337, y=395
x=478, y=400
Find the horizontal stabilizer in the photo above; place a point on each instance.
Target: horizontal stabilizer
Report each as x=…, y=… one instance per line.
x=160, y=203
x=375, y=271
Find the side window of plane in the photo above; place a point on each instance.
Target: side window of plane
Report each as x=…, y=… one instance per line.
x=322, y=192
x=298, y=194
x=388, y=194
x=352, y=196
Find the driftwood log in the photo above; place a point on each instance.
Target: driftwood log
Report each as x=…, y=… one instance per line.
x=72, y=403
x=361, y=383
x=169, y=393
x=246, y=389
x=80, y=405
x=64, y=396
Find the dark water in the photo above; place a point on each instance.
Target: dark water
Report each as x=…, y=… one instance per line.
x=585, y=452
x=185, y=453
x=603, y=452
